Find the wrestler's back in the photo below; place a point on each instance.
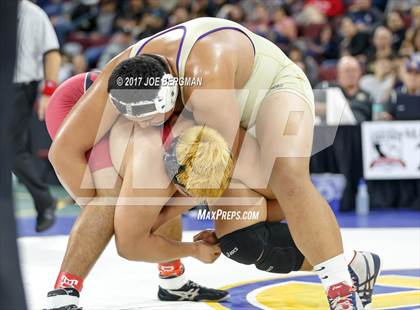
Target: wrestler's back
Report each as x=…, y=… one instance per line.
x=178, y=42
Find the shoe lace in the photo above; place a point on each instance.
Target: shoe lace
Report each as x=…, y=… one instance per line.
x=365, y=287
x=195, y=285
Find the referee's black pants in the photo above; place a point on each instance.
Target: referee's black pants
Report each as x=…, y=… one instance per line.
x=23, y=161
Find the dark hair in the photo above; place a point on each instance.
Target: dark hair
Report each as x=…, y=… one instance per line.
x=286, y=9
x=132, y=74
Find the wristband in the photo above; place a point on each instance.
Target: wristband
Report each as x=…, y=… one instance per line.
x=49, y=88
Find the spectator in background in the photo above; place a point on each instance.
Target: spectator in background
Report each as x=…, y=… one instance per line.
x=349, y=73
x=184, y=4
x=154, y=8
x=415, y=17
x=200, y=8
x=120, y=41
x=416, y=41
x=329, y=8
x=364, y=15
x=411, y=85
x=216, y=5
x=284, y=28
x=324, y=46
x=104, y=28
x=379, y=84
x=354, y=42
x=259, y=21
x=305, y=62
x=71, y=60
x=395, y=23
x=382, y=45
x=401, y=5
x=380, y=4
x=295, y=6
x=178, y=16
x=106, y=17
x=399, y=68
x=59, y=13
x=83, y=17
x=235, y=13
x=79, y=64
x=153, y=21
x=130, y=14
x=309, y=15
x=92, y=24
x=411, y=43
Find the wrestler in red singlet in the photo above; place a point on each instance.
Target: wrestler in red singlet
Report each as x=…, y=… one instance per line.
x=62, y=102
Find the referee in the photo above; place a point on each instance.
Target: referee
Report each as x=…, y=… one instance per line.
x=37, y=57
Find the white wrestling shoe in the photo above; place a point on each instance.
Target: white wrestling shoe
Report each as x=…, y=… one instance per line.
x=364, y=270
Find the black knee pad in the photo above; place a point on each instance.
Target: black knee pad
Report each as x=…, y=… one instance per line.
x=267, y=245
x=245, y=245
x=281, y=255
x=279, y=234
x=280, y=260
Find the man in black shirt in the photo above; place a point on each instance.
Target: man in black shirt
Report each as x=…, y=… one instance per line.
x=354, y=42
x=349, y=73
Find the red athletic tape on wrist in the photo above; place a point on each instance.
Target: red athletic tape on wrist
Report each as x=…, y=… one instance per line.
x=65, y=279
x=49, y=88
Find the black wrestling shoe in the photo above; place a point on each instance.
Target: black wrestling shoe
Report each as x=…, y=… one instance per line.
x=46, y=219
x=71, y=307
x=63, y=299
x=192, y=291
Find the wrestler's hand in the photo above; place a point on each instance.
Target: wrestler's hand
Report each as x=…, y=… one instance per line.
x=205, y=252
x=207, y=235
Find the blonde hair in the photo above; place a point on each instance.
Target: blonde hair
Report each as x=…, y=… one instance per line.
x=207, y=162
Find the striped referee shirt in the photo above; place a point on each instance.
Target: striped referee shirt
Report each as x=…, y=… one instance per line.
x=36, y=36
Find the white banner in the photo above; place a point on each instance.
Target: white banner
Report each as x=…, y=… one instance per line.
x=391, y=150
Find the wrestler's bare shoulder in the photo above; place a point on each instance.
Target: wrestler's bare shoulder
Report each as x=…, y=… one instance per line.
x=220, y=49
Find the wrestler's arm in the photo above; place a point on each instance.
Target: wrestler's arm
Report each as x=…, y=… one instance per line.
x=89, y=120
x=244, y=171
x=143, y=193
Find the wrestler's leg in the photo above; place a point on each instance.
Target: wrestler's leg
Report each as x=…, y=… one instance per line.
x=171, y=229
x=171, y=273
x=93, y=228
x=284, y=130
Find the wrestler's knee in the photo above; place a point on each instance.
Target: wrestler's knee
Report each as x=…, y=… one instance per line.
x=127, y=244
x=124, y=248
x=290, y=176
